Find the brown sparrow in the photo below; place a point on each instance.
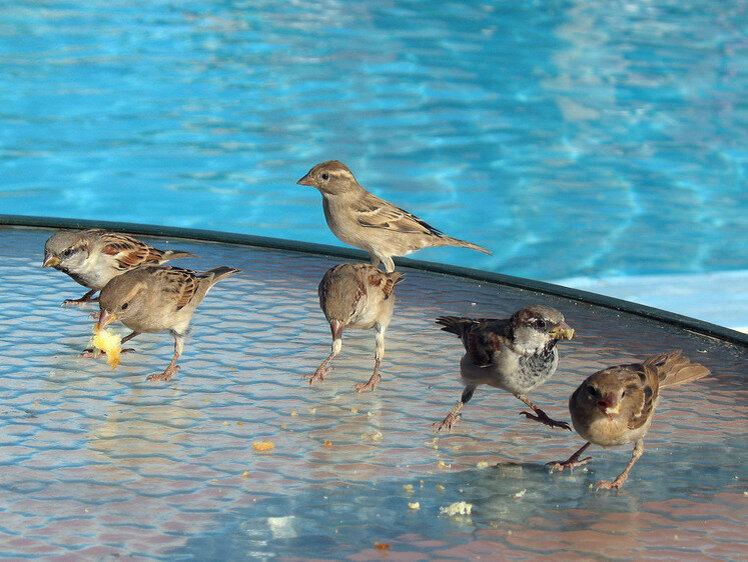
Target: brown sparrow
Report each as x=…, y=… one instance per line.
x=516, y=354
x=615, y=406
x=155, y=298
x=356, y=296
x=365, y=221
x=93, y=257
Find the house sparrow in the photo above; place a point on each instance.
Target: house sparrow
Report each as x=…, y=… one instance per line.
x=516, y=354
x=356, y=296
x=93, y=257
x=365, y=221
x=155, y=298
x=615, y=406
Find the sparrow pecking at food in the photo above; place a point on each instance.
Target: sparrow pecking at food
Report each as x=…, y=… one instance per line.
x=156, y=298
x=356, y=296
x=93, y=257
x=365, y=221
x=515, y=354
x=615, y=406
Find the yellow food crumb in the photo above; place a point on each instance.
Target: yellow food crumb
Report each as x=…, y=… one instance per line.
x=240, y=423
x=354, y=410
x=442, y=464
x=263, y=445
x=328, y=443
x=109, y=342
x=408, y=487
x=294, y=413
x=283, y=426
x=482, y=464
x=246, y=474
x=414, y=505
x=439, y=487
x=225, y=423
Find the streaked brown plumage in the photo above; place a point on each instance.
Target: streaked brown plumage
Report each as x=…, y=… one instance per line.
x=615, y=406
x=365, y=221
x=93, y=257
x=154, y=298
x=356, y=296
x=515, y=354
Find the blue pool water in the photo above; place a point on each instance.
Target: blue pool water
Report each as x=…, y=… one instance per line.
x=571, y=138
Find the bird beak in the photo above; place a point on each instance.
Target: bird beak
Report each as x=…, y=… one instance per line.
x=306, y=180
x=106, y=318
x=50, y=260
x=609, y=405
x=562, y=331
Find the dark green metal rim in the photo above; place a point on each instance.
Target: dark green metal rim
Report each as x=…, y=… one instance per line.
x=683, y=322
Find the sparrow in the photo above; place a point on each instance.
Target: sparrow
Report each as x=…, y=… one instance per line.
x=365, y=221
x=615, y=406
x=156, y=298
x=356, y=296
x=515, y=354
x=93, y=257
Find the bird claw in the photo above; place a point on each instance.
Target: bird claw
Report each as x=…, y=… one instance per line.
x=541, y=417
x=570, y=464
x=365, y=387
x=319, y=375
x=76, y=302
x=165, y=376
x=608, y=485
x=446, y=423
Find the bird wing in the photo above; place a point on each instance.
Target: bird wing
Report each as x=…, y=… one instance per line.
x=128, y=252
x=482, y=337
x=385, y=281
x=373, y=212
x=645, y=377
x=181, y=284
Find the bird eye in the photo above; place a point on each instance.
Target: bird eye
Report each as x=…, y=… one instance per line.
x=325, y=176
x=124, y=306
x=67, y=252
x=592, y=391
x=540, y=324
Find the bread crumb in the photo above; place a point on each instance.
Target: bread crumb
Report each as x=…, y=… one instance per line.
x=263, y=445
x=109, y=342
x=457, y=508
x=414, y=505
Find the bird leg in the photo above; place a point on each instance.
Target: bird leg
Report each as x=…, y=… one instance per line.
x=572, y=462
x=336, y=327
x=540, y=416
x=454, y=415
x=85, y=299
x=621, y=478
x=378, y=354
x=389, y=264
x=89, y=352
x=172, y=368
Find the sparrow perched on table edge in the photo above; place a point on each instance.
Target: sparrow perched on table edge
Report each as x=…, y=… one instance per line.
x=363, y=220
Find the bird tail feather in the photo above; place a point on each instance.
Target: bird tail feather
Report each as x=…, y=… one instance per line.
x=449, y=241
x=174, y=254
x=222, y=272
x=674, y=369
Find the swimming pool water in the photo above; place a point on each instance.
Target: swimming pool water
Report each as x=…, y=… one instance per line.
x=571, y=138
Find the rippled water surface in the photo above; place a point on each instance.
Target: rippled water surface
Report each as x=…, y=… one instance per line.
x=571, y=138
x=98, y=463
